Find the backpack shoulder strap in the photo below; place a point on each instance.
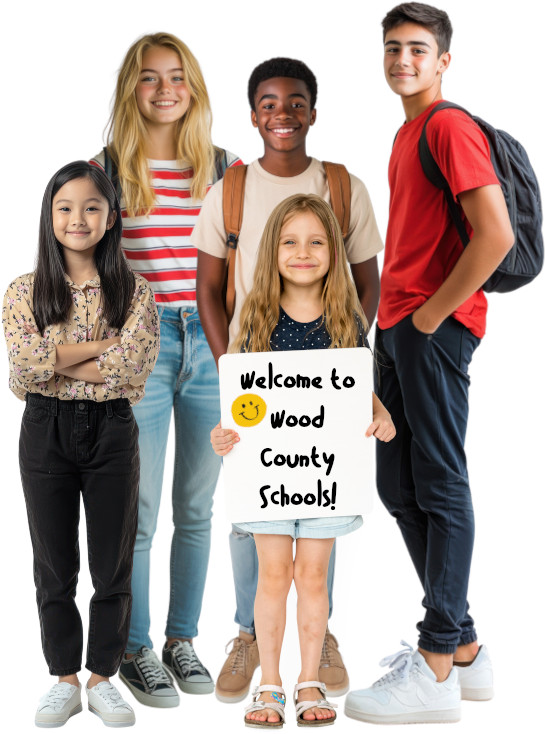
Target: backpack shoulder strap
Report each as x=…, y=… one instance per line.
x=338, y=180
x=110, y=168
x=434, y=174
x=234, y=184
x=107, y=162
x=220, y=163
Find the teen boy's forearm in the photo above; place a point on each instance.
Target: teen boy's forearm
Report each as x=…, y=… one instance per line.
x=210, y=303
x=492, y=239
x=367, y=282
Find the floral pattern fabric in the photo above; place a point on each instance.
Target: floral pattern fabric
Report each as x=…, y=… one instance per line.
x=124, y=367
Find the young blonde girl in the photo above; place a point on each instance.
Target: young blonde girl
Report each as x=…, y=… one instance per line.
x=302, y=298
x=161, y=157
x=82, y=335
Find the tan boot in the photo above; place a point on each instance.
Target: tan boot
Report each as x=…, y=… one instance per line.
x=235, y=678
x=332, y=671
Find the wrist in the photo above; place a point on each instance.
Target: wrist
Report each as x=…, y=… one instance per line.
x=425, y=320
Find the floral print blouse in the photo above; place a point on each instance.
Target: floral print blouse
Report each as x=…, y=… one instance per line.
x=124, y=367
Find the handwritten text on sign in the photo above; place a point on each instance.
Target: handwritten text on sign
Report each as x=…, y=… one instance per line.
x=301, y=417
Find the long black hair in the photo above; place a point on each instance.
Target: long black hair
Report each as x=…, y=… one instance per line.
x=52, y=299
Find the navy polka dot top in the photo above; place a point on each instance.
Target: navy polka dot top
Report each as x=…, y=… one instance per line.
x=289, y=334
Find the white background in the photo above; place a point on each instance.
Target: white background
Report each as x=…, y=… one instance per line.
x=59, y=61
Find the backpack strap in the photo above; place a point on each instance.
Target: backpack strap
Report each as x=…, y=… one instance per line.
x=434, y=174
x=220, y=164
x=338, y=180
x=110, y=168
x=234, y=183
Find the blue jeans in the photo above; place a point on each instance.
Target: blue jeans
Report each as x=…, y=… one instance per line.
x=245, y=570
x=423, y=381
x=185, y=380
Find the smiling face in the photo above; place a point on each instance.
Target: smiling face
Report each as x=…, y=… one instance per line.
x=80, y=216
x=303, y=251
x=162, y=95
x=248, y=410
x=282, y=113
x=412, y=64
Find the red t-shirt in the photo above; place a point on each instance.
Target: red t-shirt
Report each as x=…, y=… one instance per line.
x=422, y=244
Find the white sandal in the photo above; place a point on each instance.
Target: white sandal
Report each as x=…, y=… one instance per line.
x=277, y=706
x=321, y=703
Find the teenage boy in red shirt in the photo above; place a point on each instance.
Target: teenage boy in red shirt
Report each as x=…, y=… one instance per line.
x=431, y=318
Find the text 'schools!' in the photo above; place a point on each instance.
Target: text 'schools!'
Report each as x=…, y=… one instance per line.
x=301, y=417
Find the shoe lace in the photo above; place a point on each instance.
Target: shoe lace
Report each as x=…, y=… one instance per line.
x=110, y=694
x=325, y=658
x=187, y=659
x=152, y=670
x=329, y=650
x=400, y=663
x=238, y=653
x=57, y=696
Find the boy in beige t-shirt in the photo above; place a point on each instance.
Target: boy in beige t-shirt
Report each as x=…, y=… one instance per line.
x=282, y=95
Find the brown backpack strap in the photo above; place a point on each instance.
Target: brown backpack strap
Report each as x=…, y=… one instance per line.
x=340, y=193
x=234, y=182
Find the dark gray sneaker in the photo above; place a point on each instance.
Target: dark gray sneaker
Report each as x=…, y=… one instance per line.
x=148, y=681
x=185, y=666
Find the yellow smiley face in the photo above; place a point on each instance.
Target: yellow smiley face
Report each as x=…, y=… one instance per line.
x=248, y=410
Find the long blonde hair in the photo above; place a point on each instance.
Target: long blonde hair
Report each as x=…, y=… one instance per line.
x=127, y=131
x=340, y=303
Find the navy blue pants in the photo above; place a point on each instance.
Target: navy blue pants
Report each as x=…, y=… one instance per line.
x=422, y=477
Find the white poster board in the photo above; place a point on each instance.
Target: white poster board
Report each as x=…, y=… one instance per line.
x=301, y=417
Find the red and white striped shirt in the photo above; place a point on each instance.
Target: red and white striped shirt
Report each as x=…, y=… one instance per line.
x=157, y=245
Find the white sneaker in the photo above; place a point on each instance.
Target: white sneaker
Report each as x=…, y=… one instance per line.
x=58, y=705
x=477, y=679
x=106, y=701
x=409, y=694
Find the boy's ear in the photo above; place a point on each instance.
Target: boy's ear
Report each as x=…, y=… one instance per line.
x=112, y=216
x=254, y=118
x=444, y=62
x=313, y=116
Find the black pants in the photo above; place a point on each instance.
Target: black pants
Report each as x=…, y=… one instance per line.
x=68, y=448
x=422, y=476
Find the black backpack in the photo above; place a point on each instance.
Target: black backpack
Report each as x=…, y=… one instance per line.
x=521, y=191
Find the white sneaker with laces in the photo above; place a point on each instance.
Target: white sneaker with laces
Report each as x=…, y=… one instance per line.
x=61, y=702
x=409, y=694
x=106, y=701
x=477, y=679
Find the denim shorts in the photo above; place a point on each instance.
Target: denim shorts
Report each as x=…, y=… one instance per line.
x=310, y=527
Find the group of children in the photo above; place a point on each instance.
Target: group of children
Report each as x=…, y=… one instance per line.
x=83, y=334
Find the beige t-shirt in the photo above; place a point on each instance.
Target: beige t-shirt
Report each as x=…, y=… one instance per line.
x=262, y=193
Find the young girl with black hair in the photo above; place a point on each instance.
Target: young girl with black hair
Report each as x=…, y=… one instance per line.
x=161, y=155
x=303, y=298
x=82, y=337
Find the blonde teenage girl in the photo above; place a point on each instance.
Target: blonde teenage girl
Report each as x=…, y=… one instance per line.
x=302, y=298
x=161, y=157
x=82, y=335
